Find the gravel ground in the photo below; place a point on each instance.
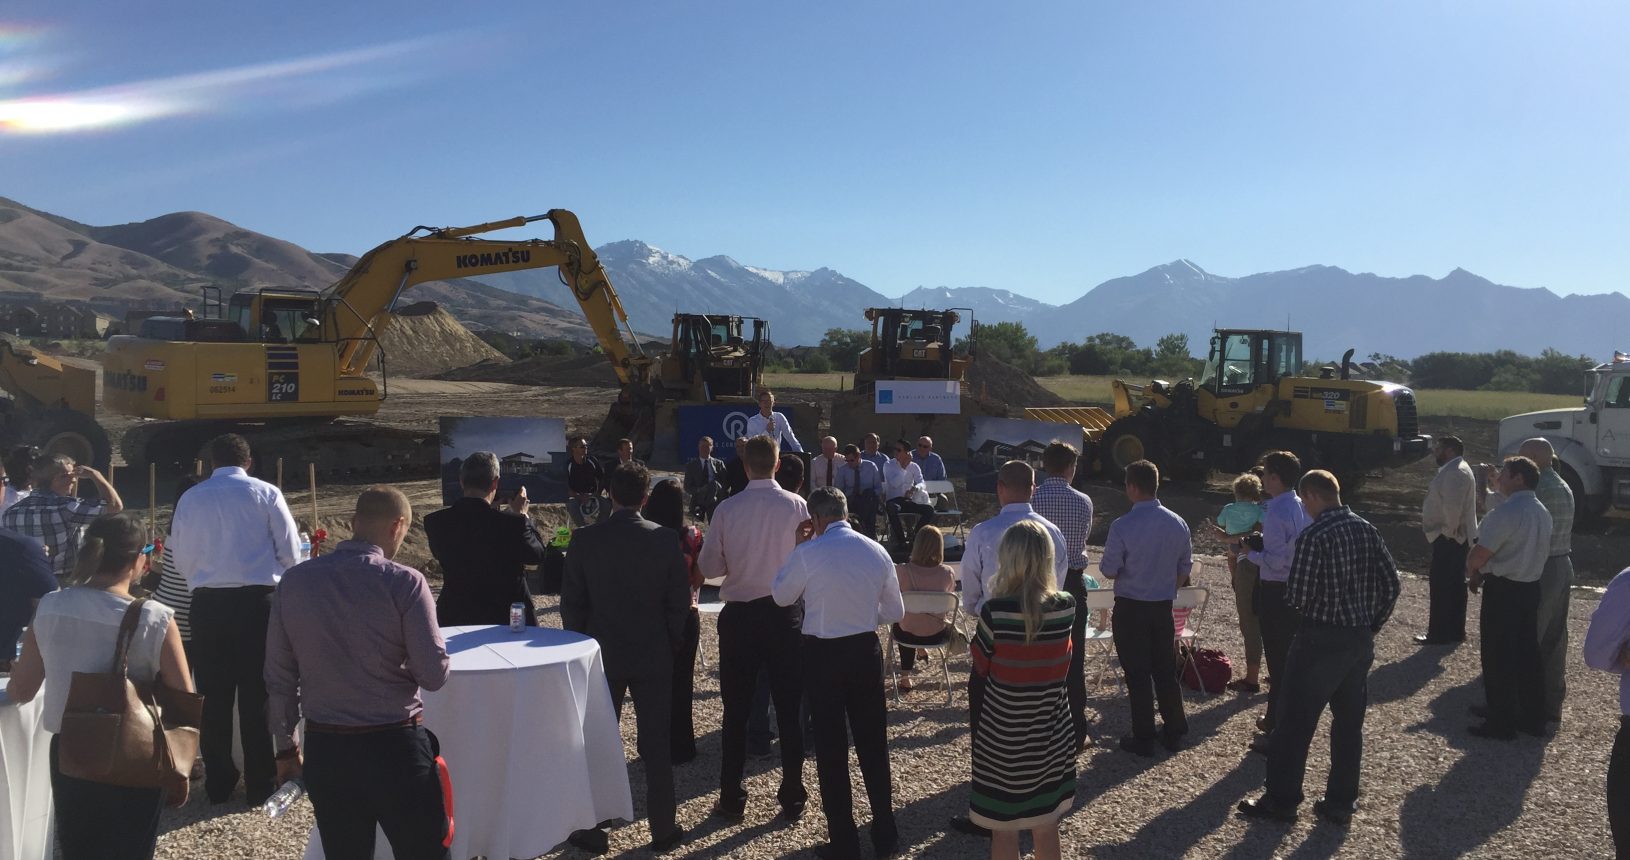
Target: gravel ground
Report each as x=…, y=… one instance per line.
x=1430, y=790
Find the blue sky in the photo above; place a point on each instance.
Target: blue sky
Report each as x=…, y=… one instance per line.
x=1040, y=147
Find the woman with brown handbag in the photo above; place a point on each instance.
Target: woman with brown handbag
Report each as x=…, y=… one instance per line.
x=77, y=631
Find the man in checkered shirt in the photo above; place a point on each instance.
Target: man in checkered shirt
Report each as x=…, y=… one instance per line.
x=1071, y=510
x=54, y=515
x=1344, y=584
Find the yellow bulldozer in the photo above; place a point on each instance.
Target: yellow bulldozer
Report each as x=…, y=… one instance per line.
x=1253, y=397
x=51, y=405
x=913, y=345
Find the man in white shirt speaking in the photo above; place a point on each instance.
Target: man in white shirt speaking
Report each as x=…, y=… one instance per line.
x=232, y=537
x=848, y=585
x=773, y=424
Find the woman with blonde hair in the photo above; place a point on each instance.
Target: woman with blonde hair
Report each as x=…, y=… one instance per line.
x=927, y=571
x=1023, y=740
x=76, y=630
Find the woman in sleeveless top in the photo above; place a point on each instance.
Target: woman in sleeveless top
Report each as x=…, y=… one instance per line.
x=1023, y=743
x=666, y=507
x=927, y=571
x=76, y=630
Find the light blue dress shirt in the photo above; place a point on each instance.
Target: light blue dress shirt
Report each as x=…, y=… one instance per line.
x=979, y=555
x=1282, y=520
x=846, y=581
x=1148, y=552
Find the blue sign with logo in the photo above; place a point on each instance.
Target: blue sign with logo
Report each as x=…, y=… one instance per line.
x=723, y=423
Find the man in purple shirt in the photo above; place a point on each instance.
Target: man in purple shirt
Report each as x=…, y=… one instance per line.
x=1272, y=551
x=352, y=639
x=1148, y=554
x=1605, y=643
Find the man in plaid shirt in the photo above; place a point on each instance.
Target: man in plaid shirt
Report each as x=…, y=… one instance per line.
x=54, y=514
x=1071, y=510
x=1344, y=584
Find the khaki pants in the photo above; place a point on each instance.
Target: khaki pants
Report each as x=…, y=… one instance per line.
x=1245, y=573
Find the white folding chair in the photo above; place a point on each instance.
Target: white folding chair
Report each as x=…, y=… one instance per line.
x=1099, y=639
x=942, y=495
x=945, y=603
x=1188, y=611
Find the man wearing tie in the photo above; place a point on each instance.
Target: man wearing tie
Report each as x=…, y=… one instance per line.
x=862, y=485
x=704, y=480
x=770, y=423
x=823, y=468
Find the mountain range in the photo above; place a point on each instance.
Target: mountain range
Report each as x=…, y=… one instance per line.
x=163, y=261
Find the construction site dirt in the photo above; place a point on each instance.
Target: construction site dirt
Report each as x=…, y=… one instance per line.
x=1392, y=501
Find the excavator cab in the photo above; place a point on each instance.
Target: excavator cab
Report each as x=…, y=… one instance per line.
x=1241, y=360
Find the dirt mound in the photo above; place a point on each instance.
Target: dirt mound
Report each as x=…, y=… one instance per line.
x=428, y=340
x=992, y=379
x=580, y=371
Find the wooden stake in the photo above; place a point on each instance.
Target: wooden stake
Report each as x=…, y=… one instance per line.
x=111, y=469
x=198, y=468
x=152, y=497
x=311, y=471
x=280, y=473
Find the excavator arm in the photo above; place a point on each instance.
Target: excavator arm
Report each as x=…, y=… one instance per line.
x=357, y=307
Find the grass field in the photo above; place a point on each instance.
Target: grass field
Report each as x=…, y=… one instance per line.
x=810, y=381
x=1433, y=402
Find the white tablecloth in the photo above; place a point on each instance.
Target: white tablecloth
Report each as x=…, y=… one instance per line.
x=26, y=830
x=530, y=738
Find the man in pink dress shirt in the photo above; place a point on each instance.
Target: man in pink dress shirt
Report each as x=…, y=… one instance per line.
x=751, y=536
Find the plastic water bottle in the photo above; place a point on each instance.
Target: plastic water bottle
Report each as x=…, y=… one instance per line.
x=517, y=617
x=305, y=546
x=285, y=797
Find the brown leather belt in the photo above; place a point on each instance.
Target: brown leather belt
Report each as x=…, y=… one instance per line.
x=327, y=729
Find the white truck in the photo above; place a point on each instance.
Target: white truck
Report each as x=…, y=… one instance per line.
x=1592, y=441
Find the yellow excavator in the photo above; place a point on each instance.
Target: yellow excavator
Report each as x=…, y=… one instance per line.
x=52, y=406
x=287, y=367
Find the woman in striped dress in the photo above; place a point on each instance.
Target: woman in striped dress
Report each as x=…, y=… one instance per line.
x=1023, y=742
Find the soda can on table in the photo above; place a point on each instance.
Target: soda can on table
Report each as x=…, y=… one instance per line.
x=517, y=617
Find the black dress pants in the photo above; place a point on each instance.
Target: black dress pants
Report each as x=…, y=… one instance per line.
x=904, y=505
x=1618, y=789
x=1509, y=630
x=683, y=732
x=1446, y=620
x=653, y=706
x=908, y=654
x=386, y=779
x=844, y=678
x=759, y=634
x=229, y=637
x=1278, y=621
x=1143, y=640
x=96, y=821
x=1327, y=665
x=1076, y=682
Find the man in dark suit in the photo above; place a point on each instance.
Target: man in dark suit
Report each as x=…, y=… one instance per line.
x=736, y=471
x=627, y=586
x=704, y=480
x=483, y=550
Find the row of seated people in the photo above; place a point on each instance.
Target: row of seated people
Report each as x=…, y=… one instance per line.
x=873, y=482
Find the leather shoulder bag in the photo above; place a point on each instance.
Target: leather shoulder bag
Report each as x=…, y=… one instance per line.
x=118, y=731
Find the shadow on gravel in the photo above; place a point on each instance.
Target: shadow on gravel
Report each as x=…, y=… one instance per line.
x=1480, y=795
x=1171, y=833
x=1405, y=678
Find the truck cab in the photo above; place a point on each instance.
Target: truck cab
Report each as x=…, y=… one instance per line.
x=1592, y=441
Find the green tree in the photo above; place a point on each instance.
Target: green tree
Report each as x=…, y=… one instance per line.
x=816, y=362
x=843, y=345
x=1172, y=346
x=1008, y=342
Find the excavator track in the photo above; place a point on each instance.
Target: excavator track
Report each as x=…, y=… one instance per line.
x=342, y=450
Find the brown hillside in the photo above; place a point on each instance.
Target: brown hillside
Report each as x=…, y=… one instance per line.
x=42, y=257
x=423, y=340
x=210, y=246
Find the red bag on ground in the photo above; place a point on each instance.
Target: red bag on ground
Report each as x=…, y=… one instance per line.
x=1206, y=669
